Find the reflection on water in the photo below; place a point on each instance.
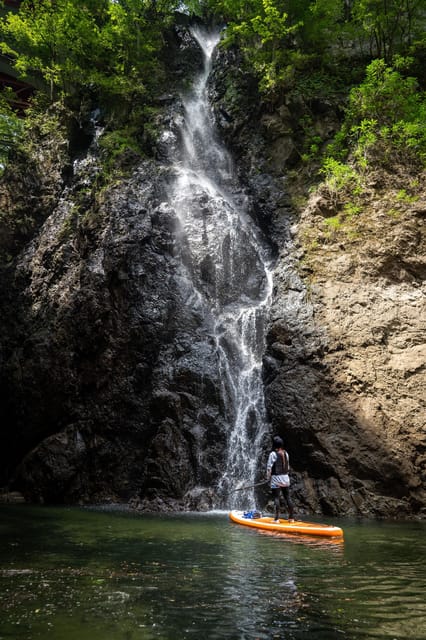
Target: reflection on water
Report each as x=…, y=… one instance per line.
x=73, y=574
x=319, y=542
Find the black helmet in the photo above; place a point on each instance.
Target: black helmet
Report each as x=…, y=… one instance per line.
x=277, y=442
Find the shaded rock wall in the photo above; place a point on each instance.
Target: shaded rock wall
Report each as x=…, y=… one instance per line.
x=109, y=389
x=99, y=377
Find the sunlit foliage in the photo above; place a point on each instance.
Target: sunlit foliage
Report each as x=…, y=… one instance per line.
x=114, y=45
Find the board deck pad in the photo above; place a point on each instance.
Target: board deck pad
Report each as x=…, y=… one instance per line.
x=298, y=526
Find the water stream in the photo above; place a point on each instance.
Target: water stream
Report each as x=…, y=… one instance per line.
x=227, y=269
x=85, y=574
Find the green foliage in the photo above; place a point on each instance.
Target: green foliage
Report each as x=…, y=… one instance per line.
x=316, y=83
x=312, y=141
x=351, y=209
x=279, y=37
x=110, y=45
x=342, y=222
x=405, y=197
x=385, y=94
x=339, y=178
x=384, y=125
x=117, y=143
x=333, y=223
x=388, y=26
x=263, y=31
x=11, y=127
x=55, y=40
x=385, y=118
x=323, y=24
x=112, y=49
x=45, y=125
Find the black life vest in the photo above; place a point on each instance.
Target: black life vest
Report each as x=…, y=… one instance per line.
x=280, y=466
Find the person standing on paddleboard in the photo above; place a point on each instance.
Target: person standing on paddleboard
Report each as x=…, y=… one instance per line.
x=277, y=469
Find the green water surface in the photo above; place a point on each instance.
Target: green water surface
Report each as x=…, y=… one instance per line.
x=96, y=574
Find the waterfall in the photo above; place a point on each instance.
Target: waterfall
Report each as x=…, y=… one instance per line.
x=226, y=269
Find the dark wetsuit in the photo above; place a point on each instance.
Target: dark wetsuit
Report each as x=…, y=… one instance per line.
x=278, y=466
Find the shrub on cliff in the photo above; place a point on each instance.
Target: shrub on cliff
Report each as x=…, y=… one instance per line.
x=384, y=120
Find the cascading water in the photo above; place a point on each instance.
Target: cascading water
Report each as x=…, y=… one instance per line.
x=225, y=269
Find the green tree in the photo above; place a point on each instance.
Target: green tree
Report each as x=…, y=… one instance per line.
x=389, y=26
x=319, y=23
x=131, y=40
x=112, y=44
x=263, y=31
x=56, y=40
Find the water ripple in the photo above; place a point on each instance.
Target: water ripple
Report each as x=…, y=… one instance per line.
x=92, y=575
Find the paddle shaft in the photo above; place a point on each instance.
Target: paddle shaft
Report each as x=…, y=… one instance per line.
x=250, y=486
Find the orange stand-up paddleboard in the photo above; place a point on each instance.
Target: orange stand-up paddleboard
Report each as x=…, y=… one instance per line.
x=268, y=524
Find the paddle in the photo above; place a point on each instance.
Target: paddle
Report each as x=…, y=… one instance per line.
x=250, y=486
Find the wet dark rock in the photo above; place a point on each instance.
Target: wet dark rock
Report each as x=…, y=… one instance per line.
x=182, y=53
x=91, y=379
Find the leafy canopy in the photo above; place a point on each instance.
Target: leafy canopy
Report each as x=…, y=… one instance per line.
x=114, y=45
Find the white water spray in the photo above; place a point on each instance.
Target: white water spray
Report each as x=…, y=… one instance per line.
x=229, y=277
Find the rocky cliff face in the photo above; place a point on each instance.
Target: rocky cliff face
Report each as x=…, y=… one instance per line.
x=363, y=375
x=109, y=388
x=100, y=379
x=110, y=383
x=345, y=362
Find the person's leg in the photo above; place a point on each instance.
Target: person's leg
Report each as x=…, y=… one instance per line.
x=276, y=496
x=286, y=494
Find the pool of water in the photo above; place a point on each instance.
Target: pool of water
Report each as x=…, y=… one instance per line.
x=77, y=574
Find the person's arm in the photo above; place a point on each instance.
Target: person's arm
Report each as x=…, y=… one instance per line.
x=271, y=460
